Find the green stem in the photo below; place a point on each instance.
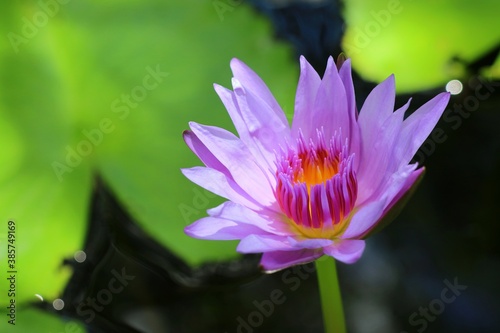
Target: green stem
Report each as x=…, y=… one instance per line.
x=331, y=300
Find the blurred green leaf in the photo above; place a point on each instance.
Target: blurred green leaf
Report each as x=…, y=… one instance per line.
x=89, y=91
x=417, y=39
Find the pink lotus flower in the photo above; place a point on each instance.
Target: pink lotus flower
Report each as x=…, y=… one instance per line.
x=318, y=187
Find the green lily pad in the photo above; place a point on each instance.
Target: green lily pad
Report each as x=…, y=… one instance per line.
x=416, y=40
x=109, y=88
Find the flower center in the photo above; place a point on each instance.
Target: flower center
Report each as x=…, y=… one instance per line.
x=316, y=186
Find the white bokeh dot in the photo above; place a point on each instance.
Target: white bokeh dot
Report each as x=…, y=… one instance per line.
x=58, y=304
x=80, y=256
x=454, y=87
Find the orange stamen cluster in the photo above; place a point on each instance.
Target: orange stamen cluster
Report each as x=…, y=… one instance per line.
x=316, y=186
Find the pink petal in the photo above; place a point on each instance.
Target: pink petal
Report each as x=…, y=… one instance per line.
x=220, y=229
x=330, y=108
x=345, y=75
x=307, y=89
x=379, y=160
x=266, y=220
x=309, y=243
x=257, y=125
x=387, y=193
x=406, y=185
x=379, y=106
x=364, y=219
x=264, y=243
x=258, y=243
x=264, y=130
x=393, y=185
x=220, y=184
x=354, y=132
x=229, y=100
x=203, y=153
x=398, y=194
x=277, y=260
x=240, y=162
x=347, y=251
x=252, y=82
x=417, y=127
